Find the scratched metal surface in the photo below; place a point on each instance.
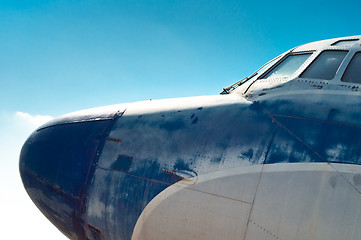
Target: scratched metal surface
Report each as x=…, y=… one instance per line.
x=275, y=159
x=200, y=139
x=209, y=139
x=55, y=165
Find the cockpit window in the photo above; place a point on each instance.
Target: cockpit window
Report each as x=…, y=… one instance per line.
x=325, y=66
x=288, y=66
x=263, y=68
x=342, y=43
x=353, y=70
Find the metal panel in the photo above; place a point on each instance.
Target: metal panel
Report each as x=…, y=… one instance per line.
x=305, y=201
x=163, y=143
x=55, y=165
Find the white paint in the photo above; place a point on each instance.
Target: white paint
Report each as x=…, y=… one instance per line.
x=276, y=87
x=291, y=201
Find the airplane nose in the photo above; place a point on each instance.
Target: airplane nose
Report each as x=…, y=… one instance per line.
x=56, y=164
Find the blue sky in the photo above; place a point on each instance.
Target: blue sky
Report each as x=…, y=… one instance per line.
x=61, y=56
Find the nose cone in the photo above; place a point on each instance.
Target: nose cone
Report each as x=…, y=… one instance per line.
x=56, y=165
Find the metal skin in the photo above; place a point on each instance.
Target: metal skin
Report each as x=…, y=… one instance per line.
x=274, y=159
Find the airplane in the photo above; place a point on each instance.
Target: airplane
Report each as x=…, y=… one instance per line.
x=277, y=155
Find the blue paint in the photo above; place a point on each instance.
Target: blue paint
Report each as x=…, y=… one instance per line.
x=280, y=149
x=123, y=163
x=195, y=120
x=63, y=210
x=131, y=181
x=255, y=106
x=173, y=125
x=145, y=178
x=95, y=234
x=331, y=115
x=134, y=190
x=61, y=155
x=315, y=141
x=62, y=166
x=248, y=154
x=216, y=160
x=180, y=164
x=55, y=164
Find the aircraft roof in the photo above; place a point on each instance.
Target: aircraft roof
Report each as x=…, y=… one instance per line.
x=332, y=64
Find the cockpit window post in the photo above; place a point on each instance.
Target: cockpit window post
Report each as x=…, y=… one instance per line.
x=353, y=70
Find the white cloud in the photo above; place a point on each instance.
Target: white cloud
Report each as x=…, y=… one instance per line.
x=31, y=121
x=14, y=129
x=17, y=210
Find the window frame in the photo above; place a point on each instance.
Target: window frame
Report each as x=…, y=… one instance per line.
x=346, y=68
x=275, y=65
x=345, y=40
x=318, y=55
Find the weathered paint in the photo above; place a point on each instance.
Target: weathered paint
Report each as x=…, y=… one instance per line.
x=62, y=159
x=275, y=159
x=171, y=140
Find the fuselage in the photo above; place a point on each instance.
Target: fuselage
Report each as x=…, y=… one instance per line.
x=277, y=156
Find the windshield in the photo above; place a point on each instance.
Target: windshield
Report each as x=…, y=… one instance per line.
x=252, y=76
x=353, y=71
x=325, y=66
x=288, y=66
